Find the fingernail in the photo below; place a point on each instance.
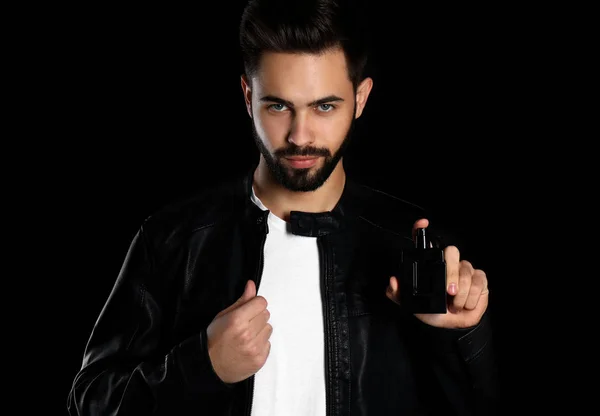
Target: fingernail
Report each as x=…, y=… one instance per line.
x=452, y=289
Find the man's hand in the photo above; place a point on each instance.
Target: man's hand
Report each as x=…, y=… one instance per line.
x=467, y=288
x=238, y=337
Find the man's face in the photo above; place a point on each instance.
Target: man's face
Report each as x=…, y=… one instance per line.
x=303, y=107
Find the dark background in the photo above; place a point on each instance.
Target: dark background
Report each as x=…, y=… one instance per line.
x=145, y=107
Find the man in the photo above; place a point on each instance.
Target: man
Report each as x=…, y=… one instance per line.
x=279, y=294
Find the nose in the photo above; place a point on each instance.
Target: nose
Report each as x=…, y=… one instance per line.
x=301, y=132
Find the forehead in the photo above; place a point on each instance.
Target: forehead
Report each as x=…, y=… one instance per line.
x=303, y=75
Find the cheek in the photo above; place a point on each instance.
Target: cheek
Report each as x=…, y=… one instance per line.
x=335, y=130
x=272, y=129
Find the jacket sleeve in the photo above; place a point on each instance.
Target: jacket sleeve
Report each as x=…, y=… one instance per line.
x=461, y=368
x=123, y=371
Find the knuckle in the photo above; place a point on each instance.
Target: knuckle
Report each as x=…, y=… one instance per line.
x=480, y=274
x=235, y=320
x=465, y=276
x=260, y=359
x=266, y=351
x=245, y=337
x=251, y=349
x=262, y=300
x=478, y=279
x=476, y=285
x=467, y=264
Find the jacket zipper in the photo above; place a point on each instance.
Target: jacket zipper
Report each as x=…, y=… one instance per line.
x=258, y=275
x=327, y=319
x=323, y=252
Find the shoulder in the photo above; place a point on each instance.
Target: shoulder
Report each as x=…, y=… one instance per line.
x=391, y=213
x=382, y=209
x=199, y=210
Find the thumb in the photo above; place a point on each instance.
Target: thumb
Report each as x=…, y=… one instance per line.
x=420, y=223
x=393, y=291
x=249, y=293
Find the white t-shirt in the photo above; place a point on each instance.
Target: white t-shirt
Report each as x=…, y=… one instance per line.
x=292, y=381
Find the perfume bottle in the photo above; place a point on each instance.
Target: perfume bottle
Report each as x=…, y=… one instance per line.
x=423, y=277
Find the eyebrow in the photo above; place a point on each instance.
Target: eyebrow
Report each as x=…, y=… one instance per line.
x=324, y=100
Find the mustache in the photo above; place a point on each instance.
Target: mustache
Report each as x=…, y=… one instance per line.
x=302, y=151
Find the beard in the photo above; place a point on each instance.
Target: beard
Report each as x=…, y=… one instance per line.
x=302, y=180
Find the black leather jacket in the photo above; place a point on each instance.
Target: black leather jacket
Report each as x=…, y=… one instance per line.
x=147, y=354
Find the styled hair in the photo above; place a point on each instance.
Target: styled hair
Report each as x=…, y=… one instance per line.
x=303, y=26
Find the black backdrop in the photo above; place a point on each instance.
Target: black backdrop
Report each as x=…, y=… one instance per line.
x=153, y=111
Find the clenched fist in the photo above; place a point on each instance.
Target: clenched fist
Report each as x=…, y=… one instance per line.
x=238, y=337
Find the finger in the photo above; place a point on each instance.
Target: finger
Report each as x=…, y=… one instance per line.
x=249, y=310
x=465, y=274
x=478, y=289
x=266, y=352
x=393, y=290
x=262, y=339
x=420, y=223
x=452, y=258
x=259, y=322
x=259, y=347
x=249, y=293
x=394, y=285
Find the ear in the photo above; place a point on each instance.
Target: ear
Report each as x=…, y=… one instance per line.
x=362, y=94
x=247, y=90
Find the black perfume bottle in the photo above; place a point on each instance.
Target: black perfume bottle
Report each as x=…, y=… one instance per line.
x=423, y=277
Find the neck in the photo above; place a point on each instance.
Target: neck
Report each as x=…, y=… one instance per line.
x=280, y=201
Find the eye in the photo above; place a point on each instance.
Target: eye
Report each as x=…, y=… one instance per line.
x=277, y=107
x=325, y=108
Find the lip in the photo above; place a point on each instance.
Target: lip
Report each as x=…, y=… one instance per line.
x=302, y=162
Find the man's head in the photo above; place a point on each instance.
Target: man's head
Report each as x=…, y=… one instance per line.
x=303, y=85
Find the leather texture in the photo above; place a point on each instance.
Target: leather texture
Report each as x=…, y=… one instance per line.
x=148, y=355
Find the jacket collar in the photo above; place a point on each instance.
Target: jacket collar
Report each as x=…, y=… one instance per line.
x=309, y=224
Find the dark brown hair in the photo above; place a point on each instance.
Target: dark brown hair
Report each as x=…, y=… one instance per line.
x=311, y=26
